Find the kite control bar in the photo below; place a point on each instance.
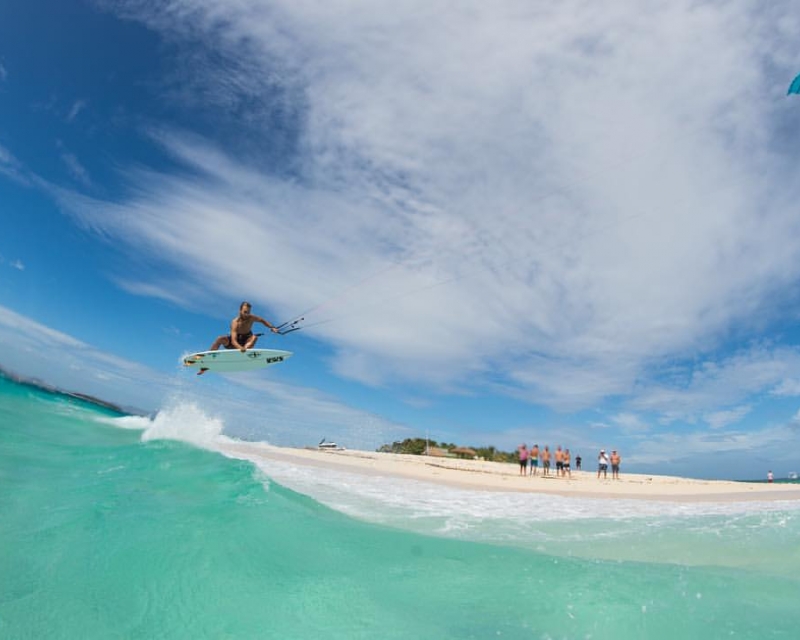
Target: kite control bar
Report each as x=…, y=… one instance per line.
x=289, y=326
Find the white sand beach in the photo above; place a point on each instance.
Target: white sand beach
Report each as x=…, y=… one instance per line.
x=498, y=476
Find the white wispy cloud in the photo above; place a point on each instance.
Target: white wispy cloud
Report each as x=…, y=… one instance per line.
x=6, y=157
x=17, y=323
x=562, y=200
x=75, y=109
x=75, y=168
x=694, y=391
x=759, y=449
x=11, y=167
x=298, y=412
x=148, y=289
x=3, y=72
x=630, y=422
x=789, y=387
x=720, y=419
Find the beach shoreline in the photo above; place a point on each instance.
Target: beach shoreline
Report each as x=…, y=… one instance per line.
x=479, y=475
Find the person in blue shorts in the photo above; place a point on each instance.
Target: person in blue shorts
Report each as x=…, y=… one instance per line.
x=533, y=456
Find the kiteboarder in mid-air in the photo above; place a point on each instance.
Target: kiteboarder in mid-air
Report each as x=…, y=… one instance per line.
x=241, y=336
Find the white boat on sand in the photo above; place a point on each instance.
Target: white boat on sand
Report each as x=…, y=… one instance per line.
x=329, y=446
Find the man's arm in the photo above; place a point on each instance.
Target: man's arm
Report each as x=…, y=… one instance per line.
x=271, y=327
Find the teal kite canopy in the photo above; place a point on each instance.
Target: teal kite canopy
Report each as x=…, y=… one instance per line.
x=795, y=86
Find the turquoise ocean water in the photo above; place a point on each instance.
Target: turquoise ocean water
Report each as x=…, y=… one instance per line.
x=116, y=527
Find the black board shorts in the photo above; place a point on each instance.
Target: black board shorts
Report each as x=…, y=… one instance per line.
x=241, y=338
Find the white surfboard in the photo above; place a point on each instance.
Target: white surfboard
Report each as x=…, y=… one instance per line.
x=228, y=360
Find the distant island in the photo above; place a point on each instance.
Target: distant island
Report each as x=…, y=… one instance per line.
x=44, y=386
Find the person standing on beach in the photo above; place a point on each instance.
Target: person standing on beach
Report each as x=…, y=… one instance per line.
x=534, y=457
x=602, y=464
x=546, y=461
x=615, y=460
x=566, y=458
x=559, y=461
x=578, y=463
x=770, y=477
x=523, y=459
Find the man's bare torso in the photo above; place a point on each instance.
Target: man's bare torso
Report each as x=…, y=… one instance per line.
x=241, y=326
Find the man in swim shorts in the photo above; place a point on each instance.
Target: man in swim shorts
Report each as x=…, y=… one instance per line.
x=533, y=456
x=559, y=456
x=523, y=459
x=241, y=336
x=615, y=461
x=546, y=461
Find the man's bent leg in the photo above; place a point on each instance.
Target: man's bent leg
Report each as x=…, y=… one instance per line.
x=222, y=341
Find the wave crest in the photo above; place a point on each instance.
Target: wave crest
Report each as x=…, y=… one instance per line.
x=182, y=420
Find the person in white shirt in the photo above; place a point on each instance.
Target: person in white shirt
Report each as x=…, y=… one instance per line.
x=602, y=464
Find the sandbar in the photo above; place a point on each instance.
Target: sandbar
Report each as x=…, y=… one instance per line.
x=502, y=476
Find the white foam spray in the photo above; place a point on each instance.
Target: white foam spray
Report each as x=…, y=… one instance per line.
x=181, y=420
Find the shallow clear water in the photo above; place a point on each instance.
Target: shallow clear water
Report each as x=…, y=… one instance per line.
x=117, y=528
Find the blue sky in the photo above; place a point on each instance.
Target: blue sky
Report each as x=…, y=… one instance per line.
x=503, y=223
